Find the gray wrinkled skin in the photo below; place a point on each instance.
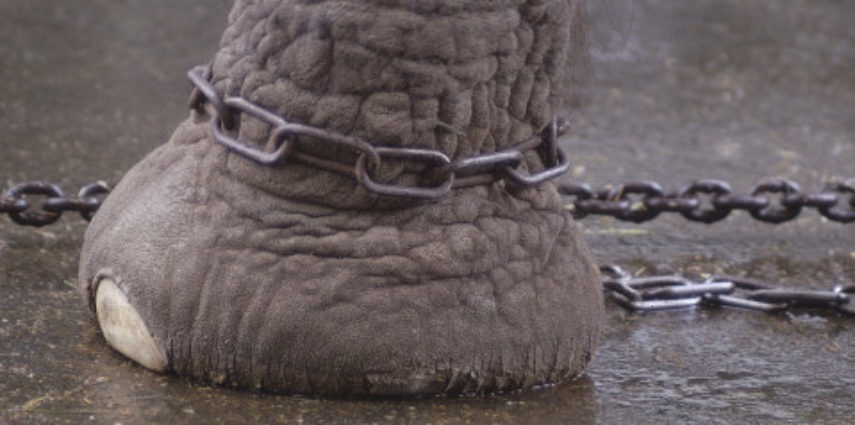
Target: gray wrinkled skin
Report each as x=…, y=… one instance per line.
x=297, y=280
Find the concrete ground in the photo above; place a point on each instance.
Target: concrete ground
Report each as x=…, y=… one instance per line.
x=731, y=89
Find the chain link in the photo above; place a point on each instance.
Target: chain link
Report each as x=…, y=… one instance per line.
x=667, y=292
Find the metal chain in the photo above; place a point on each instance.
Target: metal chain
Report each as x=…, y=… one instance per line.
x=671, y=292
x=709, y=201
x=226, y=112
x=21, y=210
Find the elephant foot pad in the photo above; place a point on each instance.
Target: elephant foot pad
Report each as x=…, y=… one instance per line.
x=124, y=329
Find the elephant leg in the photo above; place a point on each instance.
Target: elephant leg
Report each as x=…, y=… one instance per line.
x=289, y=277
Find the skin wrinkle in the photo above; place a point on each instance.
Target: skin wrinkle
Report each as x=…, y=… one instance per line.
x=248, y=89
x=201, y=329
x=292, y=279
x=260, y=296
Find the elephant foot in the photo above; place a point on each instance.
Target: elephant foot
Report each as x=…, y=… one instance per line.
x=296, y=276
x=191, y=269
x=124, y=329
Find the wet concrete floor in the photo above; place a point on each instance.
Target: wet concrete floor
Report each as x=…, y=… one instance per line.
x=731, y=89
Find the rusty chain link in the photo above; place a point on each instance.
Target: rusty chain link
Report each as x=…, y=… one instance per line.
x=225, y=117
x=666, y=292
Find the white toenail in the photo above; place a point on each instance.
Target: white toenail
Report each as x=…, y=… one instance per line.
x=124, y=329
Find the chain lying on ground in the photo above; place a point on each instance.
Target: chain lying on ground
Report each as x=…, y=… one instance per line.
x=705, y=201
x=670, y=292
x=225, y=113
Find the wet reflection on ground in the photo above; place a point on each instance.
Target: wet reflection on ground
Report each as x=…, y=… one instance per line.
x=722, y=89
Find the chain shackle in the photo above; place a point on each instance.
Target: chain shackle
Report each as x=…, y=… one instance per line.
x=225, y=114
